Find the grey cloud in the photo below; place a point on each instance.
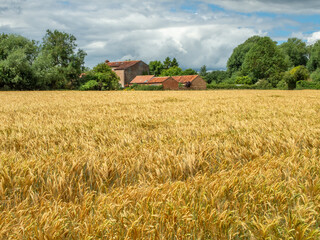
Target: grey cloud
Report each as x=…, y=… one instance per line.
x=273, y=6
x=145, y=29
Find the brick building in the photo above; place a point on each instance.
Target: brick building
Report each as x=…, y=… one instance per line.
x=128, y=70
x=168, y=83
x=193, y=82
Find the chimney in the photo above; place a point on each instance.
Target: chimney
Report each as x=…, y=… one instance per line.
x=107, y=61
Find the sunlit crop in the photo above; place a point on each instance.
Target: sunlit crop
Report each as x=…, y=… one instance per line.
x=160, y=165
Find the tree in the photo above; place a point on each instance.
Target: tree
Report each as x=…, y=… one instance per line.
x=314, y=61
x=167, y=63
x=173, y=71
x=17, y=55
x=174, y=63
x=189, y=71
x=236, y=60
x=60, y=50
x=203, y=71
x=155, y=68
x=101, y=77
x=299, y=73
x=296, y=52
x=264, y=60
x=216, y=76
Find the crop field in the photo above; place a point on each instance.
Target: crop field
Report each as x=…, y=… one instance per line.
x=160, y=165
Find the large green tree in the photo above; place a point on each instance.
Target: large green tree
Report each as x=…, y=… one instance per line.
x=155, y=68
x=264, y=61
x=17, y=55
x=236, y=60
x=101, y=77
x=295, y=51
x=314, y=61
x=59, y=54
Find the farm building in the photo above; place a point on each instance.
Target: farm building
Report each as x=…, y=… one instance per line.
x=194, y=82
x=168, y=83
x=128, y=70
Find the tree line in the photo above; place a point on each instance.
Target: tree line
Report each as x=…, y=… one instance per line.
x=57, y=63
x=260, y=63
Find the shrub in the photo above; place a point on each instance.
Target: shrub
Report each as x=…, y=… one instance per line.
x=229, y=86
x=282, y=85
x=90, y=85
x=308, y=85
x=294, y=75
x=263, y=84
x=315, y=76
x=145, y=87
x=244, y=80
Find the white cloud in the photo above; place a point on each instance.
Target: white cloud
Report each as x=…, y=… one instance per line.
x=273, y=6
x=145, y=29
x=314, y=37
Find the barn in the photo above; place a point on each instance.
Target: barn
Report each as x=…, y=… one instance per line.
x=192, y=82
x=168, y=83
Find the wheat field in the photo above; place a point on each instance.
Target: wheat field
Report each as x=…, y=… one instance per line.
x=160, y=165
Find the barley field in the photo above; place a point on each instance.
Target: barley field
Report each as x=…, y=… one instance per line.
x=160, y=165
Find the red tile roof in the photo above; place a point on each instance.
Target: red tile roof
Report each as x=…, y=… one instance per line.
x=142, y=79
x=184, y=79
x=159, y=79
x=122, y=65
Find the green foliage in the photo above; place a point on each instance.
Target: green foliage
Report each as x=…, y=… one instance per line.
x=296, y=74
x=173, y=71
x=308, y=85
x=314, y=61
x=216, y=76
x=263, y=60
x=16, y=57
x=203, y=71
x=104, y=76
x=155, y=68
x=282, y=85
x=244, y=80
x=58, y=52
x=90, y=85
x=167, y=63
x=144, y=87
x=295, y=51
x=237, y=58
x=189, y=71
x=263, y=84
x=174, y=63
x=229, y=86
x=315, y=76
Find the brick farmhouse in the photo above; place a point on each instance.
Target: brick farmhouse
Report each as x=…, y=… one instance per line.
x=128, y=70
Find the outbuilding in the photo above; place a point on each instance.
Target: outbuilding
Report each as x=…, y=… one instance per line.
x=193, y=82
x=168, y=83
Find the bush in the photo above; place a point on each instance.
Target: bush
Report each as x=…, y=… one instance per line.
x=308, y=85
x=90, y=85
x=244, y=80
x=263, y=84
x=282, y=85
x=145, y=87
x=229, y=86
x=315, y=76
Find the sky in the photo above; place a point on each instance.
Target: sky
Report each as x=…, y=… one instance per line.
x=197, y=33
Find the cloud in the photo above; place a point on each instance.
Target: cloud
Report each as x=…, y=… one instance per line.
x=146, y=29
x=313, y=38
x=272, y=6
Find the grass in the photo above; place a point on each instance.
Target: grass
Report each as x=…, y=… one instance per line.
x=160, y=165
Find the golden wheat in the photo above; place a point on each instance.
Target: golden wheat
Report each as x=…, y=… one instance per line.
x=160, y=165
